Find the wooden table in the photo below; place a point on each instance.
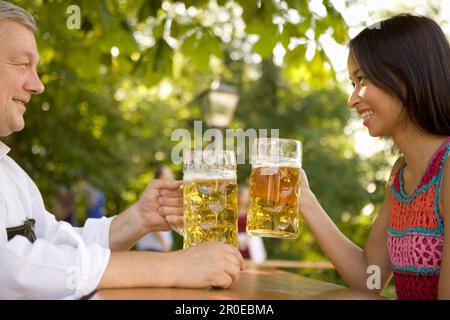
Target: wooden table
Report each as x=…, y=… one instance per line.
x=254, y=284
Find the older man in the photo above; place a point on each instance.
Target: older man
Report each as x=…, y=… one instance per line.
x=43, y=258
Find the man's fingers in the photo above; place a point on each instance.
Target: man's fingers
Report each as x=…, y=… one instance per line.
x=170, y=202
x=241, y=260
x=235, y=260
x=171, y=193
x=236, y=254
x=222, y=281
x=166, y=211
x=234, y=272
x=166, y=184
x=176, y=221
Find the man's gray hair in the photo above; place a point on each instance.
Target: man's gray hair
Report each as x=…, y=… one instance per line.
x=9, y=11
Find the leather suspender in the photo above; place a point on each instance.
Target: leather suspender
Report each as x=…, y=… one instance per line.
x=26, y=230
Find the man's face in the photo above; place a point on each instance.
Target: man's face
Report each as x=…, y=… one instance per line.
x=18, y=76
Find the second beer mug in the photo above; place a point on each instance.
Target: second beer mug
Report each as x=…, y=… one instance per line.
x=274, y=188
x=210, y=197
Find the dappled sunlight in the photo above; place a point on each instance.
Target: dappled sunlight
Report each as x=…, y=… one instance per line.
x=136, y=71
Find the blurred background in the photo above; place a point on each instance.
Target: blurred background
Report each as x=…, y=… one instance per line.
x=130, y=72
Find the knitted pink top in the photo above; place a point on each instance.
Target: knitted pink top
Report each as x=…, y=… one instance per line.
x=416, y=231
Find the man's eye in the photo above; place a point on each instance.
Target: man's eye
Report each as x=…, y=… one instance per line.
x=23, y=65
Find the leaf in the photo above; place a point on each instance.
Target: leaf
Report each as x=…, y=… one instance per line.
x=148, y=8
x=199, y=47
x=196, y=3
x=268, y=37
x=106, y=17
x=163, y=58
x=253, y=12
x=295, y=56
x=155, y=63
x=296, y=4
x=179, y=30
x=334, y=20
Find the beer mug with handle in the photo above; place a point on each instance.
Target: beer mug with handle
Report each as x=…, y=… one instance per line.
x=275, y=188
x=210, y=197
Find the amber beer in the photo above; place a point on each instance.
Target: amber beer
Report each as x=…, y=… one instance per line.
x=210, y=202
x=274, y=191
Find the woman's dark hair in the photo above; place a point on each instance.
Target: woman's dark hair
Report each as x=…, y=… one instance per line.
x=409, y=57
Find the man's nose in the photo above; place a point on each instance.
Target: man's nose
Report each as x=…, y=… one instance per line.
x=34, y=84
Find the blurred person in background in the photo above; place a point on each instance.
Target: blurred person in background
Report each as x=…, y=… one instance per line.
x=251, y=247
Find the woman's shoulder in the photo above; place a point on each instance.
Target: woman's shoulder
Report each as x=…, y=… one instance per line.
x=398, y=163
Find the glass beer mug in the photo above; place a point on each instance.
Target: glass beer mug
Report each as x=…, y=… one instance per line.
x=210, y=197
x=275, y=188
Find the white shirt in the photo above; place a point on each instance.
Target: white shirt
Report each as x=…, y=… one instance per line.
x=64, y=262
x=152, y=243
x=256, y=249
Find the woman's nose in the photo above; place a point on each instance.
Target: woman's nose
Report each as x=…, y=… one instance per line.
x=353, y=99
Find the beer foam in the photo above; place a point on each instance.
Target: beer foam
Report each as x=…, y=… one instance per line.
x=275, y=164
x=210, y=175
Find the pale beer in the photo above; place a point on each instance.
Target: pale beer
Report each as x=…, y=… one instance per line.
x=210, y=211
x=210, y=201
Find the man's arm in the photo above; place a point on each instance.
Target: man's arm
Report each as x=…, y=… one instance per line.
x=160, y=205
x=207, y=264
x=67, y=268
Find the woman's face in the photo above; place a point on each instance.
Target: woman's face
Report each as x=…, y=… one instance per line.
x=380, y=111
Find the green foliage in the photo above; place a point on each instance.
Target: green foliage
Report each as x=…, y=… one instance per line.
x=107, y=115
x=98, y=118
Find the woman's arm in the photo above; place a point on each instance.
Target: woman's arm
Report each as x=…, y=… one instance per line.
x=444, y=277
x=350, y=261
